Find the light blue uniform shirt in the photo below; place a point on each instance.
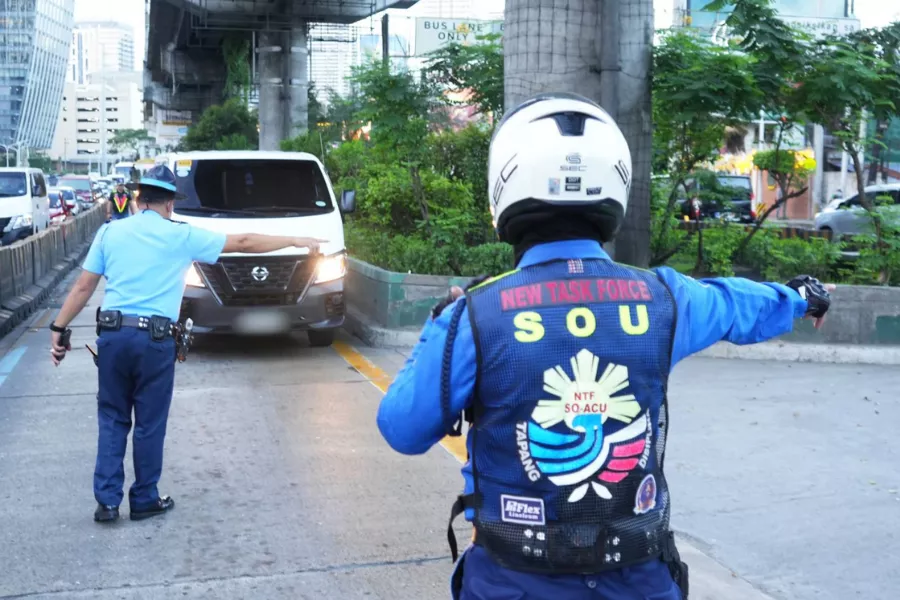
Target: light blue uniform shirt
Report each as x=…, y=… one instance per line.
x=144, y=259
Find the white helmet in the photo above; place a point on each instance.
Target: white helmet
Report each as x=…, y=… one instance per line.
x=558, y=153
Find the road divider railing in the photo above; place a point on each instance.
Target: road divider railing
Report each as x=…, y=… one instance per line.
x=31, y=268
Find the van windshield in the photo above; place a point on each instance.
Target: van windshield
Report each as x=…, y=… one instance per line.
x=252, y=188
x=12, y=184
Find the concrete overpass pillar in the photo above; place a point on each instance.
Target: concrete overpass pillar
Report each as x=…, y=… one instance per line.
x=271, y=80
x=296, y=103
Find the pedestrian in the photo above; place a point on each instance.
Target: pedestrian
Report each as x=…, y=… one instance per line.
x=560, y=367
x=144, y=260
x=119, y=205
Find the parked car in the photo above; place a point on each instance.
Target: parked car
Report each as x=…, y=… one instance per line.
x=847, y=216
x=24, y=205
x=278, y=193
x=84, y=188
x=718, y=196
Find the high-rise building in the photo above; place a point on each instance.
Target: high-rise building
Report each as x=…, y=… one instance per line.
x=34, y=47
x=100, y=46
x=332, y=56
x=94, y=112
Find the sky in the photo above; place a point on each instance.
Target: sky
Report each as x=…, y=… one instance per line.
x=131, y=12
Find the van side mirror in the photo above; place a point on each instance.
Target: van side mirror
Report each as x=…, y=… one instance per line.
x=348, y=201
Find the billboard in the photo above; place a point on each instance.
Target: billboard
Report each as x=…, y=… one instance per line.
x=434, y=34
x=816, y=17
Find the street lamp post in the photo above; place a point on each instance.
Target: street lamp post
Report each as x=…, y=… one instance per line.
x=17, y=146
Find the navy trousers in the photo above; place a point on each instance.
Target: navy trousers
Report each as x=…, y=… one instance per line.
x=136, y=375
x=483, y=579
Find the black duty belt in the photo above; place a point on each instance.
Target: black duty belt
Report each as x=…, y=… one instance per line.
x=159, y=327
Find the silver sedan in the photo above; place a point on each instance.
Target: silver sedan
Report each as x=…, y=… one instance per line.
x=847, y=216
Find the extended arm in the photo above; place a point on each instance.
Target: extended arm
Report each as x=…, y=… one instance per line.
x=409, y=416
x=257, y=243
x=729, y=309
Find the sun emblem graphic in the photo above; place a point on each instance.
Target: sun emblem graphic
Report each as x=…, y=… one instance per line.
x=566, y=435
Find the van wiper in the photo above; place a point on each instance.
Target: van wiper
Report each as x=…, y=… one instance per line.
x=278, y=207
x=212, y=211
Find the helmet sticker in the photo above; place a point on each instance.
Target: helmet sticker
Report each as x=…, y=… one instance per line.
x=623, y=172
x=505, y=173
x=573, y=184
x=553, y=186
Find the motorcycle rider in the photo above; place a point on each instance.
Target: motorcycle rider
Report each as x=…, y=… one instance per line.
x=561, y=367
x=119, y=205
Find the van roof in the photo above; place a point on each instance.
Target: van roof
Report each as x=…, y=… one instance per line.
x=242, y=155
x=20, y=170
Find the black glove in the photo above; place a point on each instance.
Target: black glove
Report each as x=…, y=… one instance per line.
x=440, y=306
x=811, y=289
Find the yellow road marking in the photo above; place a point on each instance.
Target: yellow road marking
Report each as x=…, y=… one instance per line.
x=381, y=380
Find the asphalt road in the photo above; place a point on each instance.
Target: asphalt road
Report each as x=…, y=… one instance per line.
x=786, y=473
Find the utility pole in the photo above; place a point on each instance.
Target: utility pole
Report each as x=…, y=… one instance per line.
x=385, y=42
x=103, y=124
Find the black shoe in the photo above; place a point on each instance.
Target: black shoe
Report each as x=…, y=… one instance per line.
x=106, y=513
x=162, y=505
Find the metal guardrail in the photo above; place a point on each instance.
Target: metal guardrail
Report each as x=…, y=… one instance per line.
x=783, y=232
x=40, y=260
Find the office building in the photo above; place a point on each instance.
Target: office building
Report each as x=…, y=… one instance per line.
x=332, y=56
x=93, y=112
x=34, y=47
x=100, y=47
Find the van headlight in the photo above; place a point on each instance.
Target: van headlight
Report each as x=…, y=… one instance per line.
x=192, y=277
x=331, y=268
x=18, y=222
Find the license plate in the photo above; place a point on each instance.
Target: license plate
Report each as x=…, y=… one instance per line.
x=261, y=323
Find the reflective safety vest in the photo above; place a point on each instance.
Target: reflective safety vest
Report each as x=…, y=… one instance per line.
x=570, y=416
x=120, y=201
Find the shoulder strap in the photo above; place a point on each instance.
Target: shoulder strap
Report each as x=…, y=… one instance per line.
x=452, y=422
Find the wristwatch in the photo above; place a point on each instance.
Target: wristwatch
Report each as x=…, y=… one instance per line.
x=56, y=328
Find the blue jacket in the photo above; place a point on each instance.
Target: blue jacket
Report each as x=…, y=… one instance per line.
x=737, y=310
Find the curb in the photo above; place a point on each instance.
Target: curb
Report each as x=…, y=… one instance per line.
x=17, y=309
x=811, y=353
x=376, y=336
x=710, y=579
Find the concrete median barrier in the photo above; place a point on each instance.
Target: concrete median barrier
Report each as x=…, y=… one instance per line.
x=31, y=268
x=387, y=309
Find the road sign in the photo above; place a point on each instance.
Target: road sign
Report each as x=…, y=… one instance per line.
x=433, y=34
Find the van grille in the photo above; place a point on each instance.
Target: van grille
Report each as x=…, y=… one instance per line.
x=259, y=281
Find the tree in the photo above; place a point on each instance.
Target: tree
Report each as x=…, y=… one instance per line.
x=475, y=70
x=699, y=90
x=236, y=53
x=39, y=160
x=129, y=139
x=847, y=80
x=222, y=124
x=398, y=107
x=778, y=57
x=605, y=57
